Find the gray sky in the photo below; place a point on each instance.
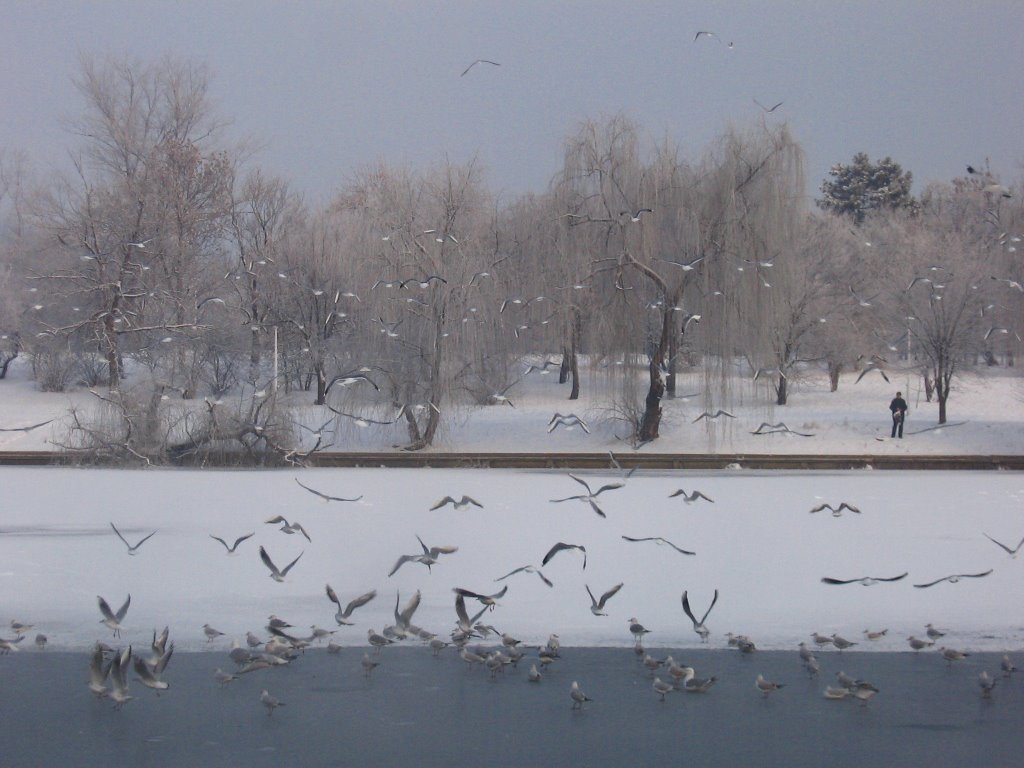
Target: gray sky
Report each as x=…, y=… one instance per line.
x=329, y=88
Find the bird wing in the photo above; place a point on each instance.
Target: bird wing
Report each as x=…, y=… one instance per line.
x=698, y=495
x=122, y=538
x=597, y=509
x=850, y=507
x=218, y=538
x=164, y=660
x=821, y=507
x=405, y=617
x=400, y=562
x=892, y=578
x=583, y=483
x=645, y=538
x=238, y=541
x=608, y=487
x=686, y=608
x=677, y=549
x=931, y=583
x=1003, y=546
x=358, y=603
x=544, y=578
x=470, y=500
x=442, y=502
x=974, y=575
x=124, y=608
x=435, y=551
x=311, y=490
x=830, y=580
x=713, y=601
x=333, y=596
x=512, y=573
x=593, y=602
x=460, y=611
x=268, y=562
x=105, y=609
x=298, y=527
x=608, y=595
x=276, y=519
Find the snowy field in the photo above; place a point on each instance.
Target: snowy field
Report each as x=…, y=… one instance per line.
x=757, y=544
x=985, y=416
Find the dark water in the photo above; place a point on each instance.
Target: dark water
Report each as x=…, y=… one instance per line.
x=422, y=711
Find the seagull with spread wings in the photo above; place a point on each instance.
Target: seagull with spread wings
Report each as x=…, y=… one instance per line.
x=277, y=574
x=358, y=602
x=699, y=626
x=132, y=548
x=954, y=578
x=866, y=581
x=462, y=503
x=691, y=497
x=527, y=569
x=836, y=511
x=712, y=416
x=597, y=606
x=233, y=547
x=479, y=61
x=590, y=495
x=659, y=540
x=111, y=619
x=324, y=496
x=560, y=546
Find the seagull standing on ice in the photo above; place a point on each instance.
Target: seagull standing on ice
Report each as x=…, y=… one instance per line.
x=578, y=697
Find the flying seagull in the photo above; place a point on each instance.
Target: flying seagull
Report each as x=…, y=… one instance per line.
x=690, y=497
x=953, y=579
x=479, y=61
x=597, y=606
x=462, y=503
x=635, y=215
x=836, y=511
x=488, y=600
x=131, y=548
x=275, y=573
x=110, y=619
x=324, y=496
x=568, y=421
x=712, y=416
x=769, y=110
x=358, y=602
x=590, y=495
x=527, y=569
x=867, y=581
x=428, y=557
x=659, y=540
x=287, y=527
x=1011, y=552
x=559, y=547
x=711, y=34
x=699, y=626
x=233, y=547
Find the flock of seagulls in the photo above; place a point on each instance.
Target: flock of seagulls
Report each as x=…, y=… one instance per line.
x=109, y=667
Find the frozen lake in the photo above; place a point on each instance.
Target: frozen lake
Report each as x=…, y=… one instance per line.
x=425, y=711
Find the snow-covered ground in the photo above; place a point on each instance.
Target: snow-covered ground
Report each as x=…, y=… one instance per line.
x=757, y=544
x=985, y=416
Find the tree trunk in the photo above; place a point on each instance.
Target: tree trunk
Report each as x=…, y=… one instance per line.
x=574, y=362
x=112, y=356
x=321, y=384
x=834, y=369
x=929, y=387
x=781, y=391
x=563, y=369
x=673, y=347
x=651, y=420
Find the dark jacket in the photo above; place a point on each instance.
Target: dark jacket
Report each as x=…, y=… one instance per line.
x=898, y=405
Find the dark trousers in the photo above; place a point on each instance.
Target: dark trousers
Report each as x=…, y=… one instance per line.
x=897, y=423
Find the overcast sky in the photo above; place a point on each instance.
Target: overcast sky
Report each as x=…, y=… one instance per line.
x=330, y=88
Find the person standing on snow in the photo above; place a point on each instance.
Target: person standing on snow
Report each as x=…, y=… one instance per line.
x=898, y=407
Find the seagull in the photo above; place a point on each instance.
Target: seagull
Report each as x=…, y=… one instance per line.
x=638, y=630
x=270, y=702
x=463, y=620
x=462, y=503
x=769, y=110
x=933, y=633
x=870, y=635
x=699, y=626
x=534, y=675
x=568, y=421
x=836, y=511
x=368, y=664
x=110, y=619
x=233, y=547
x=559, y=547
x=1007, y=666
x=711, y=34
x=527, y=569
x=867, y=369
x=689, y=498
x=479, y=61
x=358, y=602
x=98, y=672
x=661, y=688
x=1011, y=552
x=951, y=655
x=635, y=215
x=955, y=578
x=867, y=581
x=403, y=618
x=288, y=528
x=543, y=368
x=841, y=642
x=597, y=606
x=821, y=639
x=275, y=574
x=223, y=677
x=713, y=416
x=578, y=696
x=376, y=640
x=767, y=686
x=324, y=496
x=768, y=372
x=141, y=245
x=987, y=683
x=132, y=548
x=428, y=558
x=487, y=600
x=660, y=541
x=149, y=674
x=918, y=644
x=686, y=266
x=119, y=678
x=836, y=694
x=590, y=495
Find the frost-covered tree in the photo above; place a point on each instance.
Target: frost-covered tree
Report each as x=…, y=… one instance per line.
x=862, y=186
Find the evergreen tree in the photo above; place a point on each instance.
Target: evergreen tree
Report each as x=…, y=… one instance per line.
x=864, y=186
